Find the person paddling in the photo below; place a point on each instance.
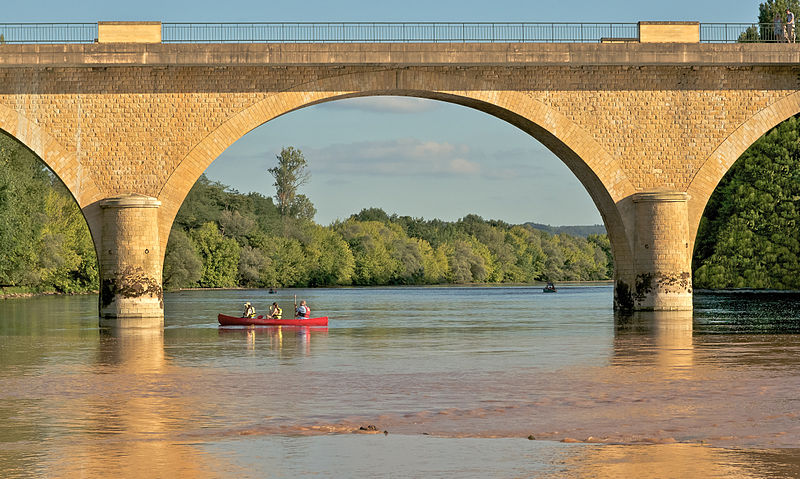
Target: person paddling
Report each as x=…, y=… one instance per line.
x=303, y=311
x=249, y=311
x=275, y=311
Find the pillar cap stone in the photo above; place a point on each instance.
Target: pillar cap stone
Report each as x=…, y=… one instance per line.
x=132, y=200
x=660, y=195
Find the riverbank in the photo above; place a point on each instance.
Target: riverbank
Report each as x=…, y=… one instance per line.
x=16, y=292
x=400, y=286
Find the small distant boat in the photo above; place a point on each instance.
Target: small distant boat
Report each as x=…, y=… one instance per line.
x=225, y=320
x=272, y=291
x=550, y=288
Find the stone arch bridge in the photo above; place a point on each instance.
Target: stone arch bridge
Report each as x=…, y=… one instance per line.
x=648, y=128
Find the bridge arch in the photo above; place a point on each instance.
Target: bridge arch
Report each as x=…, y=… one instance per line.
x=595, y=168
x=61, y=161
x=729, y=151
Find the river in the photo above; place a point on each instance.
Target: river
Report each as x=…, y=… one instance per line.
x=456, y=382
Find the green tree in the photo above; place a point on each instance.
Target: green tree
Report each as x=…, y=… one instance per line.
x=373, y=262
x=748, y=236
x=220, y=257
x=183, y=267
x=766, y=15
x=330, y=260
x=22, y=178
x=290, y=175
x=253, y=266
x=468, y=260
x=289, y=266
x=66, y=261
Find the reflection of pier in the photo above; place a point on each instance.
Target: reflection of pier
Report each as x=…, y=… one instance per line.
x=661, y=338
x=285, y=340
x=127, y=426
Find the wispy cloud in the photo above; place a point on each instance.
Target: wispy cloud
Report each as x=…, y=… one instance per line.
x=411, y=157
x=384, y=104
x=402, y=157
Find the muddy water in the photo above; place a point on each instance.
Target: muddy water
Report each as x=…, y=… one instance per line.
x=454, y=380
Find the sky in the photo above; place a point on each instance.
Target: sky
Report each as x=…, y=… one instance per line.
x=409, y=156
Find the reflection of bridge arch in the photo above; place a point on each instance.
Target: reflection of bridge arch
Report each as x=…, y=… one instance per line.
x=594, y=167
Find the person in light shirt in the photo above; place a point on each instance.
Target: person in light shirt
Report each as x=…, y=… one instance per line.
x=303, y=311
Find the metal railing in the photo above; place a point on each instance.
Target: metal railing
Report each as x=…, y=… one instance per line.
x=383, y=32
x=746, y=33
x=48, y=32
x=380, y=32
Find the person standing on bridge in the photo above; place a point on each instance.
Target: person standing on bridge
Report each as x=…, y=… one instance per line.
x=777, y=27
x=789, y=26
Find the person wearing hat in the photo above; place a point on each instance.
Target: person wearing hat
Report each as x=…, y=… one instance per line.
x=275, y=311
x=249, y=311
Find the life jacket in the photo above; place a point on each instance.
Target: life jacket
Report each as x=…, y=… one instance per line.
x=277, y=313
x=304, y=312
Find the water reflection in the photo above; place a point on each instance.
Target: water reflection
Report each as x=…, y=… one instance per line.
x=286, y=341
x=673, y=461
x=464, y=365
x=662, y=338
x=126, y=427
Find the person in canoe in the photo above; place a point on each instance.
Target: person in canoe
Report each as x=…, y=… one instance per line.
x=303, y=311
x=249, y=311
x=275, y=311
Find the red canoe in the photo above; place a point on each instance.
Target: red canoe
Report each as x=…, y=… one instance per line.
x=225, y=320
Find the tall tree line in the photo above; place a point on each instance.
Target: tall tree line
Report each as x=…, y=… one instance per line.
x=45, y=243
x=749, y=235
x=223, y=238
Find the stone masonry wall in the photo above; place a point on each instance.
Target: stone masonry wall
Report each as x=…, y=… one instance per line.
x=129, y=127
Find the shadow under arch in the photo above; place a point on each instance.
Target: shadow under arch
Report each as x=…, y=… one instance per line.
x=595, y=168
x=729, y=151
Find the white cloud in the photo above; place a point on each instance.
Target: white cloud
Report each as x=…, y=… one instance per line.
x=384, y=104
x=402, y=157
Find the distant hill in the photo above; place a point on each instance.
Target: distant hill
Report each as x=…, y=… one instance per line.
x=583, y=231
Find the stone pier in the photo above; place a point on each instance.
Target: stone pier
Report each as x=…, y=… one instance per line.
x=661, y=252
x=130, y=263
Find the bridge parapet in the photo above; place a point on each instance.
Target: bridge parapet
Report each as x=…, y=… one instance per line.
x=386, y=32
x=129, y=32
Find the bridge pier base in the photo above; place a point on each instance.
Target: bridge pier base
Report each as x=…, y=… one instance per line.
x=131, y=294
x=661, y=279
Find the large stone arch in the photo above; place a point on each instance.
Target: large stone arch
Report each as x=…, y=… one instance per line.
x=62, y=162
x=595, y=168
x=728, y=152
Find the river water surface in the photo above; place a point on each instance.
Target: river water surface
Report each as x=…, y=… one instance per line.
x=457, y=382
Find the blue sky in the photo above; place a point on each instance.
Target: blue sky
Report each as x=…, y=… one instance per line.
x=407, y=156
